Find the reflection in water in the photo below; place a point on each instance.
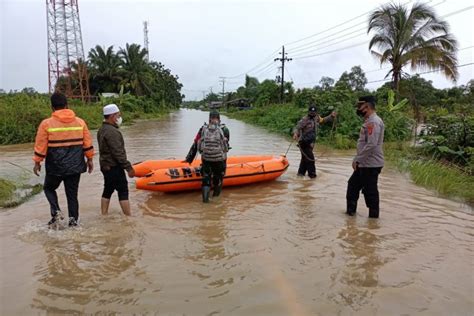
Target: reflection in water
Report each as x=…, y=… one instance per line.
x=278, y=248
x=82, y=266
x=211, y=230
x=362, y=262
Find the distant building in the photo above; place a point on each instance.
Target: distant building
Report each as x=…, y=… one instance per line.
x=241, y=104
x=110, y=95
x=215, y=105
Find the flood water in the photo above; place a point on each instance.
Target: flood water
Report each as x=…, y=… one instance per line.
x=279, y=248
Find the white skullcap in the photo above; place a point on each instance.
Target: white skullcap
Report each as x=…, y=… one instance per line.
x=111, y=109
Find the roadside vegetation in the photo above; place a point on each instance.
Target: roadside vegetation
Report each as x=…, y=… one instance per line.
x=13, y=194
x=429, y=132
x=141, y=88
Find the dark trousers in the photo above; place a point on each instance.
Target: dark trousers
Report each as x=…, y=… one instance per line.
x=307, y=162
x=71, y=186
x=364, y=179
x=214, y=170
x=115, y=180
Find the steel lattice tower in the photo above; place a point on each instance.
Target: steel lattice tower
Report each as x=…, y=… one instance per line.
x=67, y=71
x=145, y=39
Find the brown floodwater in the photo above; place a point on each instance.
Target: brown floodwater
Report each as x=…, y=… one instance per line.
x=278, y=248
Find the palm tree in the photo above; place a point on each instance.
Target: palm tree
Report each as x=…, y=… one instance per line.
x=105, y=68
x=136, y=70
x=418, y=38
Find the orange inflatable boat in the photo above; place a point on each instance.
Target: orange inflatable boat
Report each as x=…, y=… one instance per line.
x=175, y=175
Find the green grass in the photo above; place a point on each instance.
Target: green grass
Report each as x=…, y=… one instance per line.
x=20, y=113
x=446, y=179
x=282, y=119
x=12, y=194
x=278, y=118
x=7, y=190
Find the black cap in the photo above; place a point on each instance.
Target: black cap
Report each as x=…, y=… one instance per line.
x=312, y=108
x=214, y=114
x=368, y=98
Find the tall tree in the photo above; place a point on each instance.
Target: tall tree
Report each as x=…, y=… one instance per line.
x=251, y=87
x=136, y=70
x=104, y=69
x=416, y=37
x=165, y=86
x=354, y=80
x=326, y=83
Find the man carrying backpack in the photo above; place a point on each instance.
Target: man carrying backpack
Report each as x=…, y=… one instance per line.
x=212, y=142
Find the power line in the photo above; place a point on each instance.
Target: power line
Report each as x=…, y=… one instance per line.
x=270, y=65
x=316, y=43
x=291, y=50
x=191, y=90
x=422, y=73
x=255, y=67
x=379, y=69
x=268, y=71
x=305, y=47
x=289, y=74
x=457, y=12
x=332, y=51
x=318, y=49
x=387, y=68
x=338, y=25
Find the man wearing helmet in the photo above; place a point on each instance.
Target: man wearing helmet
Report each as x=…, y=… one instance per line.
x=212, y=142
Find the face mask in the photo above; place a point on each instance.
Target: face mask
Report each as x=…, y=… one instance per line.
x=118, y=121
x=312, y=114
x=361, y=110
x=360, y=113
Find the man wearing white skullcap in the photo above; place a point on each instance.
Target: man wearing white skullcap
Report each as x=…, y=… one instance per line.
x=113, y=160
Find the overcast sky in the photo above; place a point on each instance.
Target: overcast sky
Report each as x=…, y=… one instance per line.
x=203, y=40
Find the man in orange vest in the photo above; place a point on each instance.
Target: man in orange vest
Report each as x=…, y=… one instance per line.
x=64, y=140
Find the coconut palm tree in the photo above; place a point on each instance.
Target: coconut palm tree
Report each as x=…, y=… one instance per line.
x=136, y=70
x=416, y=37
x=104, y=67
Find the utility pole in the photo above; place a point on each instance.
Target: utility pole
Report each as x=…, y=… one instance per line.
x=222, y=79
x=283, y=58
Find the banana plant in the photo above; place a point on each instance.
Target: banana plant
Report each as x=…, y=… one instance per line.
x=397, y=107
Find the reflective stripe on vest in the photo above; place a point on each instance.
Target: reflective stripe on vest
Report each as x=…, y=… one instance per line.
x=65, y=129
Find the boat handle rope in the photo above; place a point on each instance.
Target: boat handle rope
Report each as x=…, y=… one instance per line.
x=231, y=166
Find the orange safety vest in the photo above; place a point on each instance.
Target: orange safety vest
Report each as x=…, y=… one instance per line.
x=62, y=129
